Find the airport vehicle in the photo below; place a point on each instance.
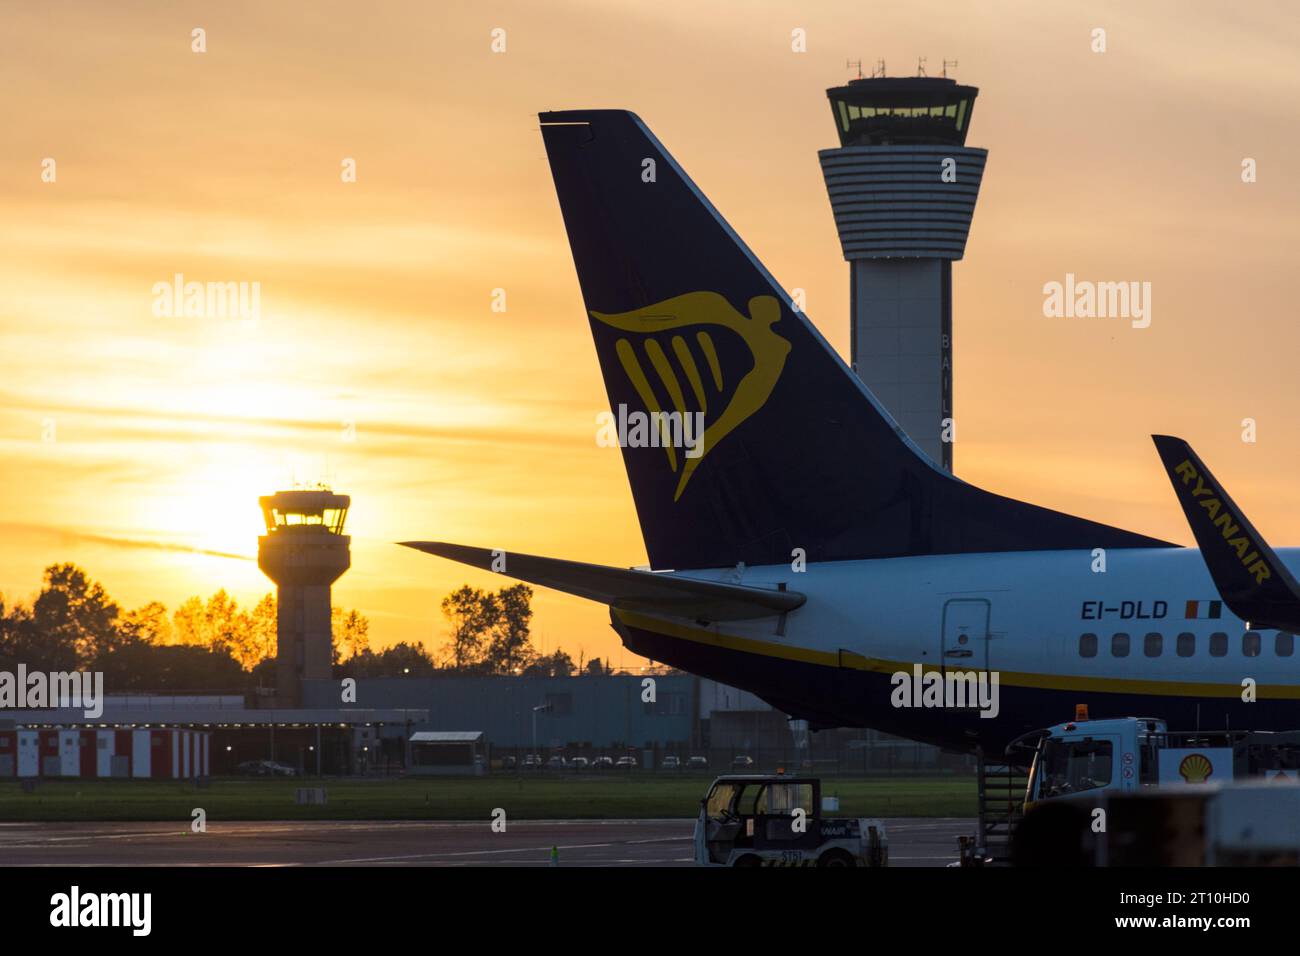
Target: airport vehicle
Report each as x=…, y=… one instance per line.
x=1242, y=823
x=697, y=763
x=531, y=762
x=775, y=820
x=742, y=762
x=579, y=763
x=1075, y=760
x=1083, y=762
x=804, y=549
x=556, y=762
x=626, y=763
x=671, y=763
x=602, y=763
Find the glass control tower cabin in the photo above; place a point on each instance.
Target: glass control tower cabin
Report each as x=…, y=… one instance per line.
x=903, y=185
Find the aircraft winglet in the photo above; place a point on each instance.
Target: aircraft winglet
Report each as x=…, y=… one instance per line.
x=626, y=589
x=1253, y=582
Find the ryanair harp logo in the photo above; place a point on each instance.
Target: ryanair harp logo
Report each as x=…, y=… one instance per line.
x=684, y=326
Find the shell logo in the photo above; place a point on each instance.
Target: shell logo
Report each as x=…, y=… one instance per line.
x=1195, y=768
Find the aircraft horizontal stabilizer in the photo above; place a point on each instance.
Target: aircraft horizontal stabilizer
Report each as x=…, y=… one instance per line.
x=646, y=591
x=1253, y=582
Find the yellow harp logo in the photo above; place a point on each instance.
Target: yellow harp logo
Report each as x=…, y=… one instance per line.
x=657, y=329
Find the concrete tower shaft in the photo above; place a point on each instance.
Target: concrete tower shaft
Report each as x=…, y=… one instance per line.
x=903, y=187
x=304, y=551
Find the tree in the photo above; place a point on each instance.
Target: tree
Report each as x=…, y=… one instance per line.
x=350, y=632
x=225, y=626
x=558, y=664
x=472, y=614
x=148, y=624
x=21, y=643
x=174, y=668
x=263, y=630
x=74, y=614
x=400, y=660
x=596, y=669
x=189, y=623
x=510, y=649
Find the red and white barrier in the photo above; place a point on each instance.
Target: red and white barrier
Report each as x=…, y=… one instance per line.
x=170, y=753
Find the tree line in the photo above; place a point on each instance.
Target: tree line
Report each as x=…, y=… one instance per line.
x=216, y=644
x=203, y=645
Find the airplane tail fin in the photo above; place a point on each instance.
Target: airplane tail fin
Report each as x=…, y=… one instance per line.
x=744, y=435
x=1251, y=579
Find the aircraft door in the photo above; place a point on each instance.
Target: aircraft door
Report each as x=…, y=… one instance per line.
x=965, y=642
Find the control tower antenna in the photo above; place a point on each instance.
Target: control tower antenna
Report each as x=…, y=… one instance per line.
x=946, y=64
x=920, y=66
x=879, y=71
x=849, y=64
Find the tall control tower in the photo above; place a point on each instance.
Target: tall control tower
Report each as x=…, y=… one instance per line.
x=304, y=551
x=903, y=186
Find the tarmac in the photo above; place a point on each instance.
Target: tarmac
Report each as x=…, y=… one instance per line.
x=913, y=841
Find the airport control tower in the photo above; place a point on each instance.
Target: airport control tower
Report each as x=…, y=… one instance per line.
x=903, y=186
x=304, y=551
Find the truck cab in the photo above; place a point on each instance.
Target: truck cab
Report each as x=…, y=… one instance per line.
x=1077, y=759
x=1080, y=757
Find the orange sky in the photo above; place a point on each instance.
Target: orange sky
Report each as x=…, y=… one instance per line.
x=478, y=427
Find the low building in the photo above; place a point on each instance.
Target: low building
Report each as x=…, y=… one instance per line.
x=159, y=754
x=326, y=739
x=447, y=752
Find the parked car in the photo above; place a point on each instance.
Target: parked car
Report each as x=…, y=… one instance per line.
x=509, y=763
x=742, y=762
x=556, y=763
x=672, y=763
x=626, y=763
x=697, y=763
x=531, y=762
x=266, y=768
x=579, y=763
x=602, y=763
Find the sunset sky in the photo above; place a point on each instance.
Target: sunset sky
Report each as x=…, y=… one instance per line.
x=136, y=445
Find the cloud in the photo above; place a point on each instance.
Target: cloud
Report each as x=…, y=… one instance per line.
x=112, y=541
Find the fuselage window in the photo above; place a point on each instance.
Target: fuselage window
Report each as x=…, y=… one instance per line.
x=1250, y=644
x=1186, y=644
x=1284, y=644
x=1153, y=645
x=1119, y=645
x=1087, y=645
x=1218, y=644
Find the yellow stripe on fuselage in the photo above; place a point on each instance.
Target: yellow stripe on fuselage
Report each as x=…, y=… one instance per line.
x=851, y=661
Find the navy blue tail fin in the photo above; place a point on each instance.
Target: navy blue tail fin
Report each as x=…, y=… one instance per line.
x=745, y=436
x=1252, y=580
